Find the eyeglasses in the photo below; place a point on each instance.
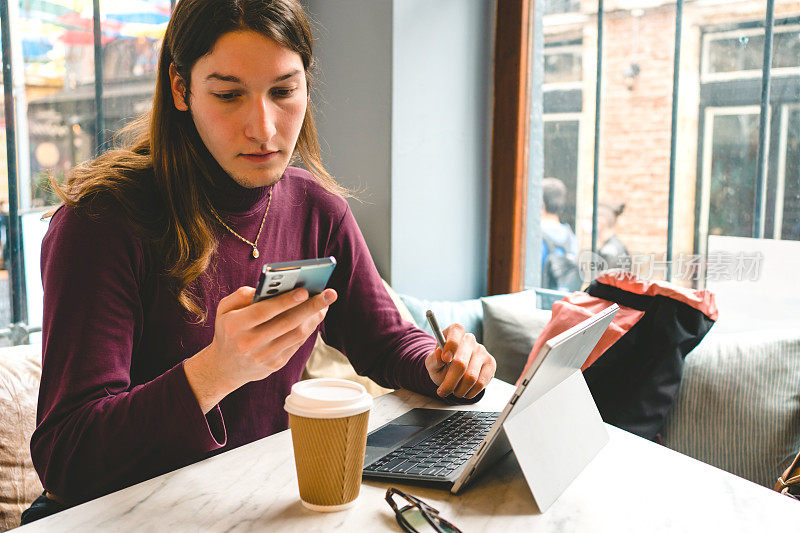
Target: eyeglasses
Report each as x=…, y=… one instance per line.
x=418, y=516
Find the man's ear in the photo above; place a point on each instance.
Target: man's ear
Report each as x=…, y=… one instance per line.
x=178, y=87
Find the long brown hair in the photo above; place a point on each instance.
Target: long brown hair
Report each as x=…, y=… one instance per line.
x=162, y=174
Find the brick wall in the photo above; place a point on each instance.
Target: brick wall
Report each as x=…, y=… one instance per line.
x=635, y=125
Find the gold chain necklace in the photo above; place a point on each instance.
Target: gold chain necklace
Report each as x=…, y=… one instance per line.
x=253, y=244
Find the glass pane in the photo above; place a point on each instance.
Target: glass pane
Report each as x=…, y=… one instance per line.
x=733, y=174
x=786, y=49
x=736, y=54
x=634, y=147
x=561, y=160
x=59, y=80
x=135, y=29
x=562, y=64
x=561, y=6
x=416, y=520
x=746, y=52
x=790, y=228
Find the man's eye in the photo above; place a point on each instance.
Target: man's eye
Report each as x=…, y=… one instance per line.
x=282, y=93
x=226, y=97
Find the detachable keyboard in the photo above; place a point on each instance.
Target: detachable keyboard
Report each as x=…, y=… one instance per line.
x=439, y=451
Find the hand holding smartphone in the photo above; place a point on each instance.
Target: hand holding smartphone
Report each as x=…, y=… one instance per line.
x=278, y=278
x=233, y=359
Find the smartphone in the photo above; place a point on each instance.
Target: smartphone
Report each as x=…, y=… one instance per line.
x=278, y=278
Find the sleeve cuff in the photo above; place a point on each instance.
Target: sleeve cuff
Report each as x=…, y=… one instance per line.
x=203, y=433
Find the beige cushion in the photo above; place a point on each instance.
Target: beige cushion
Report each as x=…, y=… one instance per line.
x=328, y=362
x=511, y=324
x=20, y=372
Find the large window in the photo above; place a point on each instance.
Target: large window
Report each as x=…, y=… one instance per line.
x=58, y=121
x=722, y=147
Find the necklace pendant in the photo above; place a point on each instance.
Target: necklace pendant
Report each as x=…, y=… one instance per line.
x=255, y=252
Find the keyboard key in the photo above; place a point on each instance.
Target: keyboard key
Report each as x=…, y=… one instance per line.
x=405, y=467
x=416, y=470
x=392, y=465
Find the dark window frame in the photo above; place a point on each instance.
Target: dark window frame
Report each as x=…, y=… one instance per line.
x=509, y=164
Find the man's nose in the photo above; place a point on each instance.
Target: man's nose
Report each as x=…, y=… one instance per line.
x=260, y=125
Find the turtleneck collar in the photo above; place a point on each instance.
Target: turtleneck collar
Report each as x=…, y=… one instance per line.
x=229, y=197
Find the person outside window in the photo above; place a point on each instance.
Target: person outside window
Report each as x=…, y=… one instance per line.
x=559, y=243
x=612, y=249
x=153, y=354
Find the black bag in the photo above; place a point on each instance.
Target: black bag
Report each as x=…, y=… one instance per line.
x=561, y=271
x=635, y=381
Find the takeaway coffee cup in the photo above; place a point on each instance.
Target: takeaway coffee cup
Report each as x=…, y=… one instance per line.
x=328, y=418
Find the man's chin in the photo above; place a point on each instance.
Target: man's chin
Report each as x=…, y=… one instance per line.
x=263, y=180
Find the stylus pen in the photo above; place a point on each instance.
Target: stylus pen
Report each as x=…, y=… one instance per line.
x=435, y=327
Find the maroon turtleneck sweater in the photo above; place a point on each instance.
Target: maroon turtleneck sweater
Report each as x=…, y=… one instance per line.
x=115, y=407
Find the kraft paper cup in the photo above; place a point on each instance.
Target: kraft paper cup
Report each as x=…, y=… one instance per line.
x=328, y=418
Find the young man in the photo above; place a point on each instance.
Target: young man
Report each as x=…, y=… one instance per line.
x=153, y=355
x=559, y=243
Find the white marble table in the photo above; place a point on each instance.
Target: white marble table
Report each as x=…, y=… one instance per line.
x=632, y=485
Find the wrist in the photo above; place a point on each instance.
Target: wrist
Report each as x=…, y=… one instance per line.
x=204, y=381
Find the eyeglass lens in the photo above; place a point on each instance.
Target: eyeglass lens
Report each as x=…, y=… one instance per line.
x=414, y=518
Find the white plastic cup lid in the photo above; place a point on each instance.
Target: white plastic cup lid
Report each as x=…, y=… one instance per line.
x=327, y=398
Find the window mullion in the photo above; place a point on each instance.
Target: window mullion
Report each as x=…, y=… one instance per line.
x=761, y=177
x=98, y=78
x=14, y=227
x=674, y=136
x=598, y=92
